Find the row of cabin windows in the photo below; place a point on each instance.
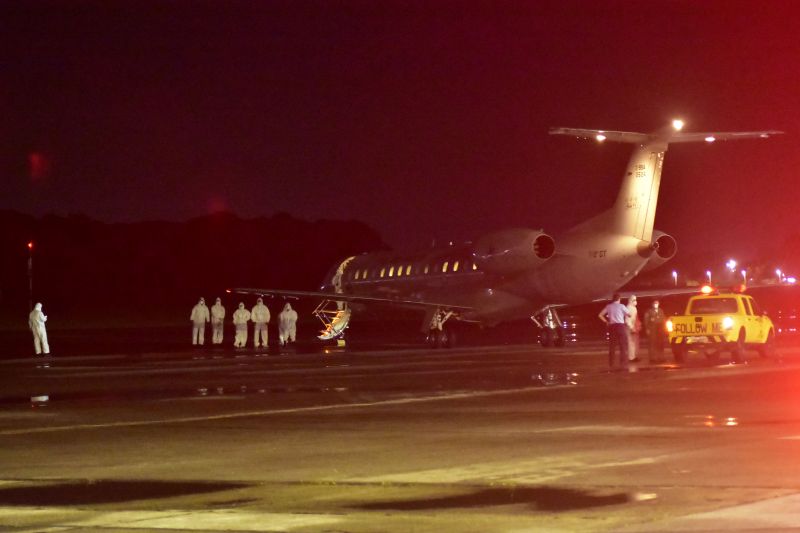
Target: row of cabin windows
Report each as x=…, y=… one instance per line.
x=396, y=271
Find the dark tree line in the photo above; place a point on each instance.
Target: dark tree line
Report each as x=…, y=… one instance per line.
x=81, y=265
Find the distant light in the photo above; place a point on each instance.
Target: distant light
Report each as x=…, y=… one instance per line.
x=706, y=289
x=791, y=280
x=228, y=291
x=731, y=264
x=677, y=124
x=710, y=139
x=600, y=137
x=30, y=245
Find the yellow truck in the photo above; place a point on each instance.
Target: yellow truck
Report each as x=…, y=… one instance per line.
x=721, y=321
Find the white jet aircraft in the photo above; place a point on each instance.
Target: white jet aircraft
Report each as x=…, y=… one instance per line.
x=519, y=273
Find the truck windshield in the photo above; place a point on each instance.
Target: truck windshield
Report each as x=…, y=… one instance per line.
x=713, y=306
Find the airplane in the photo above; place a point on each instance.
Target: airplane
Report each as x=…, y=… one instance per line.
x=519, y=272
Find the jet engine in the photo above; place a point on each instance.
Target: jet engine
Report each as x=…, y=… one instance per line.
x=661, y=249
x=513, y=250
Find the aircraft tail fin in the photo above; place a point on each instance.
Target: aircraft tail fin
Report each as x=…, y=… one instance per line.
x=635, y=208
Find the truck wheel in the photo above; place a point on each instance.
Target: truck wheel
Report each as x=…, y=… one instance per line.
x=679, y=352
x=768, y=348
x=737, y=348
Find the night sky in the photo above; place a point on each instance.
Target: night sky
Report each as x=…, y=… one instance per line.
x=423, y=119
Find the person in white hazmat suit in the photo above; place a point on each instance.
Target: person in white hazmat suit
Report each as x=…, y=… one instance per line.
x=217, y=320
x=287, y=325
x=199, y=318
x=634, y=326
x=240, y=319
x=260, y=317
x=36, y=320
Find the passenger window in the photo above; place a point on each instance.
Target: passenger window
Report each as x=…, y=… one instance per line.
x=383, y=271
x=427, y=268
x=364, y=274
x=391, y=271
x=455, y=266
x=408, y=270
x=474, y=266
x=444, y=267
x=358, y=274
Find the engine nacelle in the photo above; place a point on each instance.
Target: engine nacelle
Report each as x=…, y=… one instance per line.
x=513, y=250
x=661, y=249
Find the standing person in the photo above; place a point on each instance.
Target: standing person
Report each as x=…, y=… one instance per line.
x=287, y=325
x=654, y=326
x=217, y=321
x=614, y=315
x=199, y=318
x=240, y=319
x=634, y=327
x=36, y=320
x=260, y=318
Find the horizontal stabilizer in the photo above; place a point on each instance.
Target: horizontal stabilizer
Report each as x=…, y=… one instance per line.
x=668, y=135
x=602, y=135
x=712, y=136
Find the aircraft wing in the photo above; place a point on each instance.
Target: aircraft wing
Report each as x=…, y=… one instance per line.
x=352, y=298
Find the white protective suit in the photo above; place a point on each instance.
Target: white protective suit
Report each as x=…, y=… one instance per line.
x=36, y=320
x=287, y=325
x=260, y=317
x=199, y=318
x=633, y=329
x=217, y=319
x=240, y=319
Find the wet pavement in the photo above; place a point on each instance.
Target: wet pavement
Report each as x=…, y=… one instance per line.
x=478, y=438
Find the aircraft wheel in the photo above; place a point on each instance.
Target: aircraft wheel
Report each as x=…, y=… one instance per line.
x=436, y=338
x=546, y=337
x=559, y=340
x=449, y=337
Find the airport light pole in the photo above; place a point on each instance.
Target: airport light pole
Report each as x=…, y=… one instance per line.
x=30, y=275
x=675, y=277
x=708, y=275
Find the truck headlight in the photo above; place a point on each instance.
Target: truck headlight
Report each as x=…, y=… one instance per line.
x=727, y=323
x=670, y=326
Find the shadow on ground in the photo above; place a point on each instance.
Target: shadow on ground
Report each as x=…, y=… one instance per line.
x=540, y=498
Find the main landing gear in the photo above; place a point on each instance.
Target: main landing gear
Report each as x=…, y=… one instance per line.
x=440, y=334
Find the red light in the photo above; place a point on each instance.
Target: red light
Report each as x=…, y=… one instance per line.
x=30, y=245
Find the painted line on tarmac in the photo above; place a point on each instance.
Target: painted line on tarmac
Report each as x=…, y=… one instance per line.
x=310, y=409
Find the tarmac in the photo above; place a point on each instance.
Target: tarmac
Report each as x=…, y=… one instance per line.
x=479, y=438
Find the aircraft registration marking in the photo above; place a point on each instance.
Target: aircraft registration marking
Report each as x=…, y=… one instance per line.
x=595, y=254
